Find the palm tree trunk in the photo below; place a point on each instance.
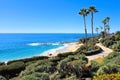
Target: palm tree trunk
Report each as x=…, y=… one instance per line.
x=104, y=31
x=85, y=33
x=92, y=30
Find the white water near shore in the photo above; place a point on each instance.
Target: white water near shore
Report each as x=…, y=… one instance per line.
x=68, y=47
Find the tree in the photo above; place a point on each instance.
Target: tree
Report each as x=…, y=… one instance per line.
x=83, y=12
x=104, y=22
x=108, y=28
x=101, y=28
x=92, y=10
x=97, y=30
x=108, y=19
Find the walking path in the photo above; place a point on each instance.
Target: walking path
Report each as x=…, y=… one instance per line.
x=104, y=53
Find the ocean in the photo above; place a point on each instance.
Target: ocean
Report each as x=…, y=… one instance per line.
x=17, y=46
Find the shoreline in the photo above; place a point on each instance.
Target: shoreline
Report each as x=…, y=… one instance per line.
x=68, y=47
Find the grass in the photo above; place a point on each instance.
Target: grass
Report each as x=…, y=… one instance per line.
x=99, y=60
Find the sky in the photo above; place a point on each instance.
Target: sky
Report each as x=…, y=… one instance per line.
x=55, y=16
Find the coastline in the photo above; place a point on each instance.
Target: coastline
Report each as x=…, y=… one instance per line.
x=68, y=47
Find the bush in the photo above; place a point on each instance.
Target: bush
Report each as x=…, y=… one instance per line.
x=94, y=67
x=116, y=46
x=107, y=77
x=66, y=54
x=55, y=59
x=2, y=63
x=36, y=76
x=117, y=36
x=73, y=65
x=113, y=57
x=93, y=52
x=40, y=66
x=108, y=69
x=80, y=50
x=29, y=59
x=12, y=70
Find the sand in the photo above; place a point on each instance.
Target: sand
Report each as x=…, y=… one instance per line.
x=68, y=47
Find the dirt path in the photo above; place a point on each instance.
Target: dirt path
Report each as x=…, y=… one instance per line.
x=105, y=52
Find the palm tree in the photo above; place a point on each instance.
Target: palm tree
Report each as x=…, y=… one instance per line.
x=104, y=22
x=108, y=29
x=92, y=10
x=97, y=30
x=83, y=12
x=101, y=28
x=108, y=19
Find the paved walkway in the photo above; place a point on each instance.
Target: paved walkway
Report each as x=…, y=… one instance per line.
x=105, y=52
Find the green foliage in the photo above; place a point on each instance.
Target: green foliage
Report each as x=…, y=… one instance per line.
x=73, y=65
x=114, y=57
x=55, y=59
x=108, y=42
x=40, y=66
x=29, y=59
x=94, y=67
x=107, y=77
x=72, y=77
x=117, y=36
x=108, y=69
x=116, y=46
x=110, y=64
x=93, y=52
x=36, y=76
x=2, y=63
x=66, y=54
x=12, y=69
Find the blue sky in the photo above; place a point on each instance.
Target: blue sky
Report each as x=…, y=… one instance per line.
x=54, y=16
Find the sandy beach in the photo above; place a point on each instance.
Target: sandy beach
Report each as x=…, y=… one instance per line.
x=68, y=47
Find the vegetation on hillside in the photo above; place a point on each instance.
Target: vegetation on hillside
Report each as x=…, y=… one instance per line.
x=71, y=65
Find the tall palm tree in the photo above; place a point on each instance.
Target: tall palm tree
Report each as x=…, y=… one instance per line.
x=101, y=28
x=92, y=10
x=97, y=30
x=108, y=19
x=108, y=29
x=83, y=12
x=104, y=22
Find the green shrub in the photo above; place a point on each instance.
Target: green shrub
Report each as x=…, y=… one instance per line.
x=73, y=65
x=55, y=59
x=93, y=52
x=2, y=63
x=107, y=77
x=108, y=69
x=65, y=54
x=29, y=59
x=80, y=50
x=12, y=70
x=113, y=57
x=36, y=76
x=117, y=36
x=116, y=46
x=94, y=67
x=72, y=77
x=40, y=66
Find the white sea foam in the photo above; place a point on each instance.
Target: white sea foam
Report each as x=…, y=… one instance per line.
x=56, y=50
x=38, y=44
x=33, y=44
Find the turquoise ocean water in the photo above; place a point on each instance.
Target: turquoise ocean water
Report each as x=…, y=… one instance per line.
x=17, y=46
